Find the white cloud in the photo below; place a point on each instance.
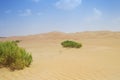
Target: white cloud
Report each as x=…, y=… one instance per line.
x=36, y=1
x=8, y=11
x=68, y=4
x=96, y=15
x=26, y=12
x=39, y=13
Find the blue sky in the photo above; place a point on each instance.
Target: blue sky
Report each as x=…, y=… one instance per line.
x=26, y=17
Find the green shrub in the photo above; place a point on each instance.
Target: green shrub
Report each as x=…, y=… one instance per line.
x=17, y=41
x=14, y=57
x=71, y=44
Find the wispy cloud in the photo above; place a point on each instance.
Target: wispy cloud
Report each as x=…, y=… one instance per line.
x=8, y=11
x=68, y=4
x=36, y=1
x=27, y=12
x=96, y=15
x=39, y=13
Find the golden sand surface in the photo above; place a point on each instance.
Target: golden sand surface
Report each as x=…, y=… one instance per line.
x=98, y=59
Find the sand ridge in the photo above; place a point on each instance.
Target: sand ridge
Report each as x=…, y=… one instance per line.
x=98, y=59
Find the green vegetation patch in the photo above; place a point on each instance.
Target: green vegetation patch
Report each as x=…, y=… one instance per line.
x=13, y=56
x=17, y=41
x=71, y=44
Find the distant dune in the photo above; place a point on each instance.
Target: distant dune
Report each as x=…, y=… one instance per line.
x=98, y=59
x=62, y=35
x=2, y=37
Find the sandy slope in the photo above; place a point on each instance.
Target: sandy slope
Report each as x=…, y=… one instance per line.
x=98, y=59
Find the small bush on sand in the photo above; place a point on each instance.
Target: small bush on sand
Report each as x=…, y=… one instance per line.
x=17, y=41
x=71, y=44
x=14, y=57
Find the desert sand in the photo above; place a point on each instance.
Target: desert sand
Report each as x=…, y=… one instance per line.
x=98, y=59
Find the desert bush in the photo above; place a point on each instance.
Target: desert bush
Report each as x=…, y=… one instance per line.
x=17, y=41
x=71, y=44
x=13, y=56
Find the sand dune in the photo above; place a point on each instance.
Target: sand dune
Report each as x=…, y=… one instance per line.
x=98, y=59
